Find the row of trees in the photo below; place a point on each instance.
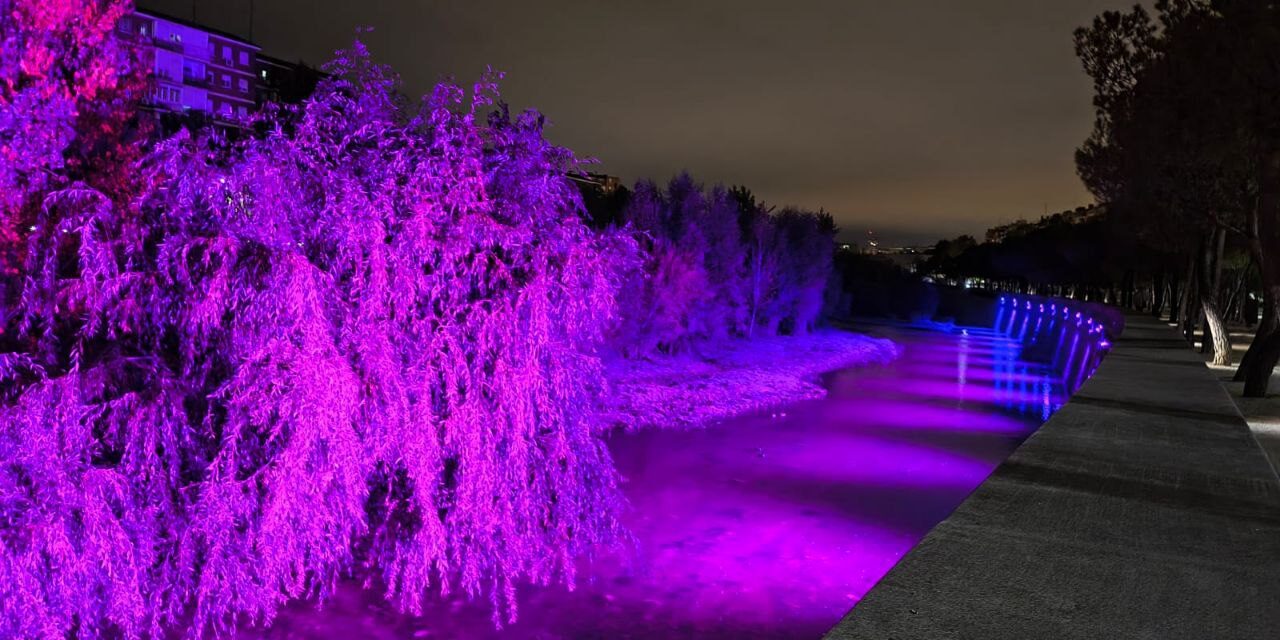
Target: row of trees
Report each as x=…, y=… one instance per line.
x=1054, y=250
x=1186, y=151
x=361, y=336
x=718, y=264
x=1100, y=260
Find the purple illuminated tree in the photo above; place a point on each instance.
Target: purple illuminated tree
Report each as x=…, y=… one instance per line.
x=358, y=338
x=360, y=343
x=718, y=265
x=59, y=68
x=806, y=245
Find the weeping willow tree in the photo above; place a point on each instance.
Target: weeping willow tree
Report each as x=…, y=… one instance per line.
x=356, y=339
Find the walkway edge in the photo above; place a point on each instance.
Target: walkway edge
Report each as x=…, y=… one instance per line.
x=1143, y=509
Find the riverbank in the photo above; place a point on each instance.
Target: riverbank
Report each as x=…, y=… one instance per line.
x=760, y=527
x=1142, y=509
x=733, y=377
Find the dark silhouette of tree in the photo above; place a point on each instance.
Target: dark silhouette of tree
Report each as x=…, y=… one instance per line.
x=604, y=208
x=1185, y=124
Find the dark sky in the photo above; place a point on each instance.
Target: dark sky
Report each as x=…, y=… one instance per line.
x=916, y=119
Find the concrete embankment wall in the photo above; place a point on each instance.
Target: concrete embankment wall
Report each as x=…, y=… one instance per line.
x=1069, y=336
x=1142, y=509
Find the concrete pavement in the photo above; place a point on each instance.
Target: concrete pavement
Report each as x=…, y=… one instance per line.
x=1143, y=509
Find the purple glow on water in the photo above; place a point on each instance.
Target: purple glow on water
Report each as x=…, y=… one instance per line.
x=767, y=526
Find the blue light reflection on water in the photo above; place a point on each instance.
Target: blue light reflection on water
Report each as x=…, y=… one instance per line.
x=773, y=525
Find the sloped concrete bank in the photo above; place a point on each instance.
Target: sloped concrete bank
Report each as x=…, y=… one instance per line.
x=1143, y=509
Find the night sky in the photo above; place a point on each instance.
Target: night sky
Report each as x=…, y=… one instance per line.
x=914, y=119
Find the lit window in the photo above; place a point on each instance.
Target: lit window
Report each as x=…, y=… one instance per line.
x=226, y=81
x=244, y=86
x=264, y=74
x=244, y=58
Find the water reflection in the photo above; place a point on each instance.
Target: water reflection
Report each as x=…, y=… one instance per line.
x=774, y=525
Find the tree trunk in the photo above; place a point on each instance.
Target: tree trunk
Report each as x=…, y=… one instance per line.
x=1267, y=219
x=1215, y=331
x=1157, y=294
x=755, y=294
x=1235, y=296
x=1268, y=323
x=1187, y=311
x=1175, y=296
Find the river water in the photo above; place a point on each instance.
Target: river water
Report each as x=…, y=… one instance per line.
x=771, y=525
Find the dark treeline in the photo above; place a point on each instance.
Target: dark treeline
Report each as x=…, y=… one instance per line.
x=1186, y=147
x=1045, y=254
x=1185, y=152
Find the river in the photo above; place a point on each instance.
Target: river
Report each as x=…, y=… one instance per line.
x=769, y=525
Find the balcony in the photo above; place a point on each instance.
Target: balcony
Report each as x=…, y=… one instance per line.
x=171, y=45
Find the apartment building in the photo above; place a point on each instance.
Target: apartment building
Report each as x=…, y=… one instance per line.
x=195, y=68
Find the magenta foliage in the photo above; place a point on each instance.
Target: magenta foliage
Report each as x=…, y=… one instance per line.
x=357, y=338
x=361, y=340
x=720, y=265
x=56, y=58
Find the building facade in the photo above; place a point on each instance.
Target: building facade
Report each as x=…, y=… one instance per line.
x=283, y=81
x=195, y=69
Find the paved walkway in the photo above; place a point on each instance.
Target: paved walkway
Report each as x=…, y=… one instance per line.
x=1143, y=509
x=1262, y=414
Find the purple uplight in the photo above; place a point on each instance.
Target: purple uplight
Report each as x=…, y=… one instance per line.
x=763, y=527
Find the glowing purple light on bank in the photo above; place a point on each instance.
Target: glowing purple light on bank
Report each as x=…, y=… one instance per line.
x=780, y=525
x=367, y=390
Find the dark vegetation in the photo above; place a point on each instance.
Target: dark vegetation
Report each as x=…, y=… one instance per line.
x=1185, y=154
